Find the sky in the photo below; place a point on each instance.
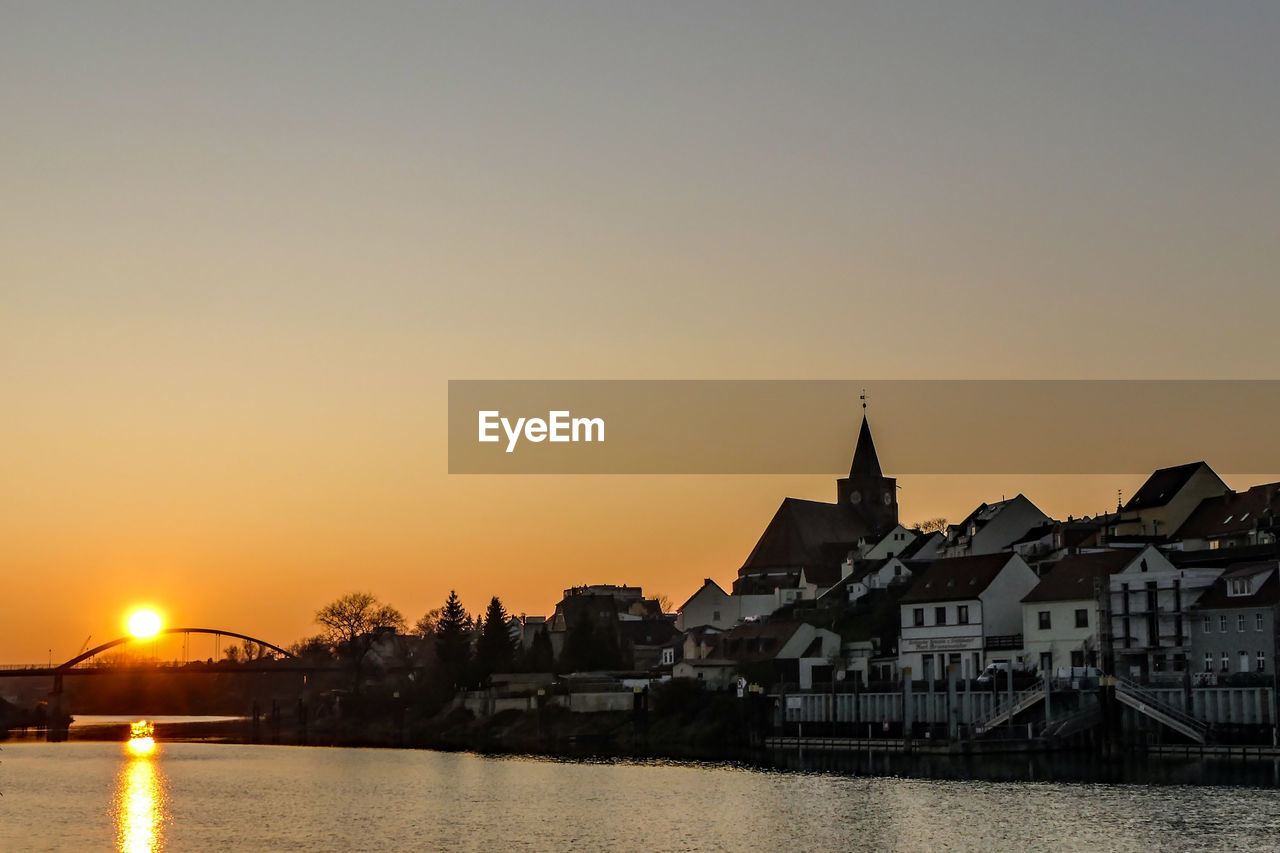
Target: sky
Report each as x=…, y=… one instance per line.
x=244, y=246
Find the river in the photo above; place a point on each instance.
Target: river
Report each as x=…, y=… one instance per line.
x=87, y=796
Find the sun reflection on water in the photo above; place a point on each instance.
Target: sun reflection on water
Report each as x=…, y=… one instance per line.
x=140, y=796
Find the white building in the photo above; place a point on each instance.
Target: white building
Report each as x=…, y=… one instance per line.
x=964, y=611
x=1063, y=618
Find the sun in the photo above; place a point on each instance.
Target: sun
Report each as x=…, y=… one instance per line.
x=144, y=623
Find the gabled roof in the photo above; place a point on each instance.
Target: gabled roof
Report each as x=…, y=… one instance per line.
x=919, y=542
x=957, y=578
x=756, y=640
x=866, y=464
x=805, y=533
x=1233, y=512
x=1162, y=485
x=706, y=582
x=1266, y=594
x=1072, y=579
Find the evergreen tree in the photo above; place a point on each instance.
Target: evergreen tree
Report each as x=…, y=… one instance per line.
x=494, y=652
x=453, y=645
x=541, y=656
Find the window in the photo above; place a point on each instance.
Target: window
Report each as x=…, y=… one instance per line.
x=715, y=615
x=1208, y=624
x=1240, y=586
x=1222, y=624
x=1077, y=658
x=1208, y=661
x=1082, y=618
x=1045, y=621
x=1225, y=661
x=1213, y=544
x=668, y=657
x=1142, y=566
x=1240, y=622
x=1262, y=661
x=917, y=616
x=1257, y=622
x=939, y=615
x=962, y=614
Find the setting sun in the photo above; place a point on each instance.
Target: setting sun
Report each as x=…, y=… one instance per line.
x=144, y=623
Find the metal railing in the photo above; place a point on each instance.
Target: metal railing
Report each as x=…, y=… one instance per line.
x=1154, y=706
x=1007, y=709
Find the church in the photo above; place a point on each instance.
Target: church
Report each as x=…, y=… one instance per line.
x=808, y=540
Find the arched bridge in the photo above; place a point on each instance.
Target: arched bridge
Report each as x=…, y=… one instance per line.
x=96, y=650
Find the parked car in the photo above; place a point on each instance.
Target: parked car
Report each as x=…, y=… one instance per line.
x=1000, y=670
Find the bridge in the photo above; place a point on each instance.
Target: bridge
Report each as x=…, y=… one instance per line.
x=74, y=665
x=81, y=665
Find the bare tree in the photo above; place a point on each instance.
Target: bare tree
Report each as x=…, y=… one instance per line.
x=937, y=524
x=351, y=625
x=426, y=626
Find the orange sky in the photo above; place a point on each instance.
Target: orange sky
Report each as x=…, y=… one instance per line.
x=244, y=248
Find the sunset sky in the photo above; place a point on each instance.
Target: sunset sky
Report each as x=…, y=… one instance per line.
x=244, y=246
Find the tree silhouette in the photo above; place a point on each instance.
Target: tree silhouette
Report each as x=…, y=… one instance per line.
x=495, y=652
x=453, y=645
x=351, y=625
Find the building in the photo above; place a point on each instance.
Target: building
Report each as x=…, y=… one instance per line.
x=1233, y=520
x=1166, y=500
x=805, y=543
x=781, y=652
x=1150, y=602
x=965, y=611
x=710, y=605
x=1233, y=627
x=992, y=528
x=1064, y=616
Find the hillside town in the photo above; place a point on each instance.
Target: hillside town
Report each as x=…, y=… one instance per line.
x=1171, y=600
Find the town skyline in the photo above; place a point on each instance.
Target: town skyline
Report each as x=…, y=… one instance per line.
x=244, y=251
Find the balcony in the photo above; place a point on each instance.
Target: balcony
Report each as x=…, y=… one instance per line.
x=1002, y=642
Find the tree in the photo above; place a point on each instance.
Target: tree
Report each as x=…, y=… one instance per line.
x=589, y=647
x=541, y=656
x=453, y=643
x=932, y=525
x=664, y=601
x=426, y=626
x=351, y=626
x=495, y=652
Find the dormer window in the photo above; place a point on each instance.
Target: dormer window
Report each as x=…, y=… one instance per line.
x=1142, y=566
x=1240, y=586
x=1227, y=520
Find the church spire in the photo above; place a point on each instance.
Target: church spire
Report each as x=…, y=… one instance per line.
x=866, y=464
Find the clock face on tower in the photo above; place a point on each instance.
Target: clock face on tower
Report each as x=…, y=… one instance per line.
x=855, y=497
x=888, y=498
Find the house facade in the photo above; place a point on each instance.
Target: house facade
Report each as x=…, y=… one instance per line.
x=1233, y=627
x=991, y=528
x=964, y=611
x=1150, y=605
x=1064, y=616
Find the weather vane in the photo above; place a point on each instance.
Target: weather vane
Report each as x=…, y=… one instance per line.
x=863, y=398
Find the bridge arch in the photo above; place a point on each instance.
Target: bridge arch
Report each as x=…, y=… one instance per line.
x=83, y=656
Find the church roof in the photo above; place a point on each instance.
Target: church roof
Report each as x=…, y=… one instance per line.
x=866, y=464
x=806, y=533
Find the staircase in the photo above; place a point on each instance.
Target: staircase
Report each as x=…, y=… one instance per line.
x=1005, y=710
x=1145, y=702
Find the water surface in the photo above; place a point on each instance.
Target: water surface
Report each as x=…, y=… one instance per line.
x=84, y=796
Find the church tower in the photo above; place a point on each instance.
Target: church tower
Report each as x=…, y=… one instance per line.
x=867, y=490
